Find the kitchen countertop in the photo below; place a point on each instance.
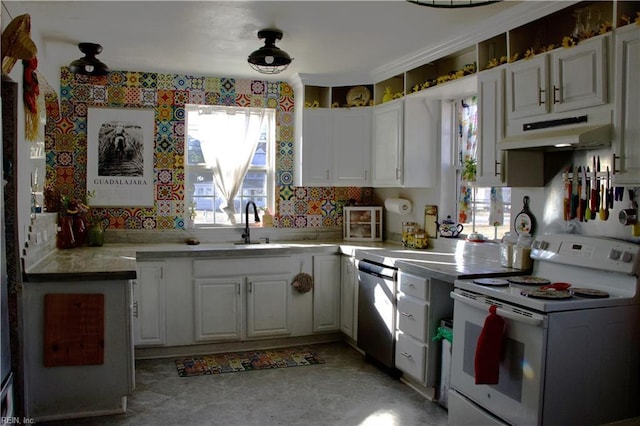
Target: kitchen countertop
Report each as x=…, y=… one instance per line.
x=448, y=261
x=456, y=259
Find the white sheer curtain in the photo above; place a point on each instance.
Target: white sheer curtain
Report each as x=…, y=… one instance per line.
x=230, y=138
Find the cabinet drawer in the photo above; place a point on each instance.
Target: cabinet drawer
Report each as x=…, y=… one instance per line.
x=412, y=316
x=413, y=285
x=411, y=356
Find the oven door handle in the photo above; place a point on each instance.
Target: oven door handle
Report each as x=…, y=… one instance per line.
x=537, y=322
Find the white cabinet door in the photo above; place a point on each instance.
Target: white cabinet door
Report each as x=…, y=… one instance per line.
x=317, y=154
x=149, y=305
x=627, y=140
x=218, y=308
x=579, y=76
x=527, y=82
x=348, y=283
x=268, y=305
x=351, y=146
x=579, y=80
x=491, y=127
x=388, y=128
x=421, y=144
x=326, y=293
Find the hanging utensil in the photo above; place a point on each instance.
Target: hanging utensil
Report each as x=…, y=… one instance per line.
x=582, y=189
x=595, y=187
x=574, y=192
x=609, y=190
x=587, y=191
x=567, y=198
x=604, y=213
x=618, y=193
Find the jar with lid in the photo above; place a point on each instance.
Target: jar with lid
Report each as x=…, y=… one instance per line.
x=408, y=230
x=506, y=249
x=522, y=252
x=420, y=240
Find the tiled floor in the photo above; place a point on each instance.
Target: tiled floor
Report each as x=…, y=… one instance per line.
x=346, y=390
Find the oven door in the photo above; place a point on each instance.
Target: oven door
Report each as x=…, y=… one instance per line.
x=516, y=398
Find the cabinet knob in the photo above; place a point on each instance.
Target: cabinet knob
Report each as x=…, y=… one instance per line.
x=406, y=355
x=404, y=314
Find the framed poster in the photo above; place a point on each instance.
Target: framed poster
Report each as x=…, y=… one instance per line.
x=120, y=144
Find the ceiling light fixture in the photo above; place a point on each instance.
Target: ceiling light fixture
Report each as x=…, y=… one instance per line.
x=89, y=64
x=453, y=4
x=269, y=59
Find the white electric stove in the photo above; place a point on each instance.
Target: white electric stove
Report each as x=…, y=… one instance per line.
x=571, y=350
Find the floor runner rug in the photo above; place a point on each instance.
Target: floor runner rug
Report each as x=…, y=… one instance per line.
x=246, y=361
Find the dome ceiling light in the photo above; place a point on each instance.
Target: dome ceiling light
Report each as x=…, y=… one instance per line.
x=453, y=4
x=89, y=64
x=269, y=59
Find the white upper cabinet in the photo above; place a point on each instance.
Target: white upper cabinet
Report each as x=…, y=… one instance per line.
x=626, y=148
x=336, y=146
x=563, y=80
x=421, y=142
x=317, y=147
x=579, y=75
x=351, y=146
x=527, y=87
x=388, y=128
x=490, y=127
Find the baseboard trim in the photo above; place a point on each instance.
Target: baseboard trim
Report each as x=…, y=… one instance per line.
x=246, y=345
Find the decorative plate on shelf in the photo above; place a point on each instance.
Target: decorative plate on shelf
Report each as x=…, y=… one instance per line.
x=358, y=96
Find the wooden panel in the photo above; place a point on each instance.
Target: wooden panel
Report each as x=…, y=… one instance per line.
x=73, y=329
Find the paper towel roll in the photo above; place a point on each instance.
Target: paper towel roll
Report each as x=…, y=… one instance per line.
x=398, y=205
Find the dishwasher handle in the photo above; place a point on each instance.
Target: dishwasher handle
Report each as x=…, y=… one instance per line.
x=378, y=269
x=530, y=318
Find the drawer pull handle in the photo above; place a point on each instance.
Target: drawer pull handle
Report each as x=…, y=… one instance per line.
x=411, y=285
x=406, y=315
x=406, y=355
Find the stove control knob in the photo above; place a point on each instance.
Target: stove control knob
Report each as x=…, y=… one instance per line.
x=544, y=245
x=627, y=256
x=614, y=254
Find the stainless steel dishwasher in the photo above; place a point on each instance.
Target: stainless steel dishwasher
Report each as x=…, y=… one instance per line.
x=377, y=311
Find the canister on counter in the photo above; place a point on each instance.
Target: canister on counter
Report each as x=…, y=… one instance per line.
x=408, y=231
x=522, y=252
x=420, y=240
x=506, y=249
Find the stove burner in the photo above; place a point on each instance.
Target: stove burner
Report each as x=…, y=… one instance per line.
x=550, y=293
x=491, y=281
x=589, y=293
x=528, y=280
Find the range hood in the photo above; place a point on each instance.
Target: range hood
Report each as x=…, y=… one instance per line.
x=580, y=137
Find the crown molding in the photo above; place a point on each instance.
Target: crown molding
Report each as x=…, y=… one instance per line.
x=525, y=12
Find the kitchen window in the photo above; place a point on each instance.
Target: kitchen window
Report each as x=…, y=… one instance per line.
x=480, y=209
x=229, y=153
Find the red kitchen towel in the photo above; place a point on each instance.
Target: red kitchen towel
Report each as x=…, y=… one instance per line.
x=489, y=349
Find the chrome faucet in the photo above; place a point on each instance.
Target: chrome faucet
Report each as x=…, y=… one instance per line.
x=246, y=236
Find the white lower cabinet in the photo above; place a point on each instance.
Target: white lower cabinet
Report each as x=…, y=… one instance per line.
x=326, y=292
x=149, y=304
x=348, y=296
x=218, y=308
x=422, y=304
x=268, y=305
x=220, y=305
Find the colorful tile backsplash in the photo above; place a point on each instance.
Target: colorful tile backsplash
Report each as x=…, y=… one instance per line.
x=167, y=94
